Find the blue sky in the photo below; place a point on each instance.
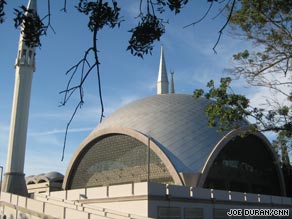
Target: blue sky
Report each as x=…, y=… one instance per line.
x=125, y=78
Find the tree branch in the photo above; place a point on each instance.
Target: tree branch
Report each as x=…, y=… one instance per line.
x=100, y=14
x=2, y=13
x=202, y=18
x=224, y=26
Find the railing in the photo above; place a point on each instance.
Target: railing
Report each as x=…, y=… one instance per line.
x=171, y=191
x=78, y=203
x=53, y=207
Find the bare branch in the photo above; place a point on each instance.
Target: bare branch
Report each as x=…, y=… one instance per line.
x=100, y=14
x=98, y=74
x=202, y=18
x=70, y=90
x=49, y=17
x=64, y=6
x=224, y=26
x=79, y=105
x=221, y=10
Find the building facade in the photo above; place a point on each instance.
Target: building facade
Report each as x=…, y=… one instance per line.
x=157, y=158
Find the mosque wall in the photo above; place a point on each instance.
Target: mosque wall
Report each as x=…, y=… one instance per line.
x=136, y=207
x=130, y=200
x=146, y=199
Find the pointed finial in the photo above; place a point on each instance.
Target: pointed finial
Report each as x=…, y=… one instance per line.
x=162, y=81
x=172, y=83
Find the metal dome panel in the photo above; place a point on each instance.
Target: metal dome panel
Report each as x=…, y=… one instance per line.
x=177, y=129
x=177, y=122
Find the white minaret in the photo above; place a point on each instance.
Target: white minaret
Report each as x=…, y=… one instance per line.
x=162, y=81
x=14, y=181
x=172, y=84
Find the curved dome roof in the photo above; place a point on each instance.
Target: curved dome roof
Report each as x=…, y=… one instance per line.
x=175, y=127
x=177, y=122
x=52, y=176
x=44, y=177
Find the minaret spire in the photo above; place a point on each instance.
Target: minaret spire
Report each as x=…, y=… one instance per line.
x=14, y=181
x=172, y=84
x=162, y=81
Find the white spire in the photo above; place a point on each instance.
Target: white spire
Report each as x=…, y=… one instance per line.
x=162, y=81
x=172, y=84
x=14, y=181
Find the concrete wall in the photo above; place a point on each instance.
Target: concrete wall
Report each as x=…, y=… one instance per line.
x=145, y=198
x=129, y=200
x=114, y=197
x=63, y=204
x=133, y=189
x=138, y=207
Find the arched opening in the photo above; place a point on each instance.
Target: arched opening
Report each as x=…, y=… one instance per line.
x=245, y=165
x=117, y=159
x=30, y=183
x=42, y=181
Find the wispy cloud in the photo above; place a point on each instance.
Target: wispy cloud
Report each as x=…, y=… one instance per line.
x=60, y=131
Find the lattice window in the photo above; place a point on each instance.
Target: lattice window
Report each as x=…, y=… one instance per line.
x=118, y=159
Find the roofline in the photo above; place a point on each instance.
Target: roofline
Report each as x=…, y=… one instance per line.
x=147, y=140
x=222, y=143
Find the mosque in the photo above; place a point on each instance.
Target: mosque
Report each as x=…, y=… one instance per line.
x=153, y=158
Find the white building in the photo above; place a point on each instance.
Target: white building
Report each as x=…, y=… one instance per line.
x=157, y=158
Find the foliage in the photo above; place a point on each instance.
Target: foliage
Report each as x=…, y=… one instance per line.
x=268, y=24
x=228, y=110
x=174, y=5
x=2, y=13
x=149, y=29
x=100, y=14
x=31, y=25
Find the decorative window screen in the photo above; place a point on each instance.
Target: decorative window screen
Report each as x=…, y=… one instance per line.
x=118, y=159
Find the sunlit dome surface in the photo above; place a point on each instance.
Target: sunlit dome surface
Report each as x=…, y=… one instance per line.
x=176, y=121
x=184, y=150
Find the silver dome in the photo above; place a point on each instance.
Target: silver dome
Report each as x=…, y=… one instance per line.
x=175, y=127
x=176, y=121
